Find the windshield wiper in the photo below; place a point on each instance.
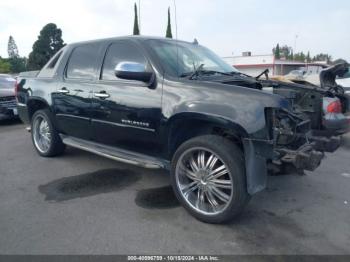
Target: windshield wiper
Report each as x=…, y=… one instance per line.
x=265, y=72
x=196, y=71
x=199, y=71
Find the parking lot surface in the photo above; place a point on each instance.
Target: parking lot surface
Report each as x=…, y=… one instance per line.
x=80, y=203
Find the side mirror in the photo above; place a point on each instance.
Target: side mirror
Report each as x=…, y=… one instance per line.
x=133, y=71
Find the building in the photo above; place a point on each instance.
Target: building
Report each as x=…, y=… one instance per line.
x=255, y=64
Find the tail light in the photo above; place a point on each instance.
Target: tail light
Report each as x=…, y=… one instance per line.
x=334, y=107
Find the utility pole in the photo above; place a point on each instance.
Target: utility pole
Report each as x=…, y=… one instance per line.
x=295, y=44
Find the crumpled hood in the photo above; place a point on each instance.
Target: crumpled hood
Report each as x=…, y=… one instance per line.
x=328, y=75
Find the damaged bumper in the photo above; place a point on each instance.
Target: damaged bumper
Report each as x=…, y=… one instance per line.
x=305, y=157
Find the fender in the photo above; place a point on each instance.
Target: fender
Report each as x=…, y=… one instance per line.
x=216, y=120
x=255, y=152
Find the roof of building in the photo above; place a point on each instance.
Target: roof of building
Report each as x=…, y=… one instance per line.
x=266, y=60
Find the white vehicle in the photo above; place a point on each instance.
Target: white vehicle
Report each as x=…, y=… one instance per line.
x=344, y=81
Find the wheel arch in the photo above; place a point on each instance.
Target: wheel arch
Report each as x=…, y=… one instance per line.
x=202, y=124
x=34, y=104
x=184, y=126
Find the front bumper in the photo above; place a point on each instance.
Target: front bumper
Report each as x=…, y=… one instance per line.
x=305, y=157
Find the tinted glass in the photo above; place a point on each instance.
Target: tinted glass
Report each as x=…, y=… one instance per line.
x=48, y=70
x=120, y=52
x=55, y=59
x=347, y=75
x=82, y=61
x=180, y=58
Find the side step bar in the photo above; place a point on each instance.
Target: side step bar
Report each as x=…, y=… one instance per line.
x=117, y=154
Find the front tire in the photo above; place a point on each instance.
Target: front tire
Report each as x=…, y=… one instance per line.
x=45, y=137
x=208, y=177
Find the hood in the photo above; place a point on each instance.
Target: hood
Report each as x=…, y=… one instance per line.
x=233, y=89
x=328, y=75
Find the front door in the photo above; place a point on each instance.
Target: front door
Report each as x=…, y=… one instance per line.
x=126, y=113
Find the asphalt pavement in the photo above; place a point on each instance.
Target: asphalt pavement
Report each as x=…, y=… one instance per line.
x=80, y=203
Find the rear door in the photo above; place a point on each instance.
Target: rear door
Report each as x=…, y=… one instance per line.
x=126, y=113
x=72, y=101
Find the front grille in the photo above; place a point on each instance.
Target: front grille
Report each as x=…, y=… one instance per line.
x=8, y=102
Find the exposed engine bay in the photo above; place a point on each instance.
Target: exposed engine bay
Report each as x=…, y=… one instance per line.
x=307, y=101
x=298, y=135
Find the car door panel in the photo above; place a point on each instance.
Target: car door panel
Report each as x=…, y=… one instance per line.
x=72, y=100
x=129, y=117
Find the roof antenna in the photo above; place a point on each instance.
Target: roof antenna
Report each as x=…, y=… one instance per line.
x=177, y=46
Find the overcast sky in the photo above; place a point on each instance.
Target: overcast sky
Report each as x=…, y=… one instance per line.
x=228, y=27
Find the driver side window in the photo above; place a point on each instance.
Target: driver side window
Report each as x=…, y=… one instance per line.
x=120, y=52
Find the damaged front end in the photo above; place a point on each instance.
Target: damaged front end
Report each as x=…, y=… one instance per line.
x=293, y=142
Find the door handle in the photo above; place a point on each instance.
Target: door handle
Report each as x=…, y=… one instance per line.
x=102, y=95
x=63, y=90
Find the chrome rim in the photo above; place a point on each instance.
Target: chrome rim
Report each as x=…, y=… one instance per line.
x=41, y=134
x=204, y=181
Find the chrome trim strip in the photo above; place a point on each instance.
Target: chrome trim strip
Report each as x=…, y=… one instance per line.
x=63, y=91
x=127, y=161
x=73, y=116
x=21, y=104
x=123, y=125
x=102, y=95
x=108, y=122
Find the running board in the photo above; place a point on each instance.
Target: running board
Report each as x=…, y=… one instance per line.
x=117, y=154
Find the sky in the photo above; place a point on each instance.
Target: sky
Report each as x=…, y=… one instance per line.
x=228, y=27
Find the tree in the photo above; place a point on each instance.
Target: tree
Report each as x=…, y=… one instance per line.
x=17, y=64
x=308, y=57
x=322, y=57
x=136, y=22
x=49, y=42
x=12, y=49
x=5, y=66
x=286, y=51
x=300, y=57
x=168, y=29
x=276, y=51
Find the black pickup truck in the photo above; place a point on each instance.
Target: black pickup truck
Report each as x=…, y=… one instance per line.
x=162, y=103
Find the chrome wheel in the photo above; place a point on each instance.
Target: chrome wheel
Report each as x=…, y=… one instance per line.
x=41, y=134
x=204, y=181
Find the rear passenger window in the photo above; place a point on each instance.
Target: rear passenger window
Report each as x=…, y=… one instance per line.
x=49, y=69
x=120, y=52
x=81, y=64
x=53, y=63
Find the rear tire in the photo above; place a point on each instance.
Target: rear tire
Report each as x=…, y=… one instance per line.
x=45, y=137
x=208, y=177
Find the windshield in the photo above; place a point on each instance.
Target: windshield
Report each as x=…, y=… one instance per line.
x=190, y=58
